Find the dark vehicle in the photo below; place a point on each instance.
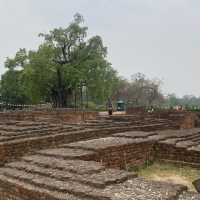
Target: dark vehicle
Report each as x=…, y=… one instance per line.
x=120, y=105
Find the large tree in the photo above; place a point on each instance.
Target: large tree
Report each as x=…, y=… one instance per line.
x=66, y=59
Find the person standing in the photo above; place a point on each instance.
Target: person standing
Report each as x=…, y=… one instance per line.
x=109, y=107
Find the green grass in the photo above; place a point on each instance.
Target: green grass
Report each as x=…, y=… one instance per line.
x=170, y=173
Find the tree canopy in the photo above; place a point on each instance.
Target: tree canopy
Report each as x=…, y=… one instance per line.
x=54, y=72
x=67, y=64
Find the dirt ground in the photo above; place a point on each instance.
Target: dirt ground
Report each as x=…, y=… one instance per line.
x=114, y=113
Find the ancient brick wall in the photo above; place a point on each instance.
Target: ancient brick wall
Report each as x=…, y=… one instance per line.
x=65, y=172
x=69, y=171
x=135, y=110
x=124, y=156
x=24, y=137
x=52, y=116
x=118, y=151
x=188, y=121
x=182, y=119
x=178, y=155
x=137, y=148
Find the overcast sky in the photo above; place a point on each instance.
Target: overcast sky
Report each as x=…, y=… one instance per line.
x=160, y=38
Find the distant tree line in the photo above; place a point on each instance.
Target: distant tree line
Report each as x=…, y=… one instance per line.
x=140, y=91
x=188, y=101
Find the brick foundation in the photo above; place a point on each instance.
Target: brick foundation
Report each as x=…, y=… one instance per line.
x=52, y=116
x=82, y=161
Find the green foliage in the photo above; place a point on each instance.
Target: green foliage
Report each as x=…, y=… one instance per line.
x=19, y=60
x=12, y=90
x=54, y=71
x=190, y=102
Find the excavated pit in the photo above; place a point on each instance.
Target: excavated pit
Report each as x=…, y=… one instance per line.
x=55, y=161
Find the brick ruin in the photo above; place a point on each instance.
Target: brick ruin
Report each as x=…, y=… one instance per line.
x=53, y=116
x=89, y=160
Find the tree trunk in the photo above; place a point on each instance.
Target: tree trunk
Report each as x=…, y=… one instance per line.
x=61, y=90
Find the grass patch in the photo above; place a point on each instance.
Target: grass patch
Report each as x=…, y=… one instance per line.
x=170, y=173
